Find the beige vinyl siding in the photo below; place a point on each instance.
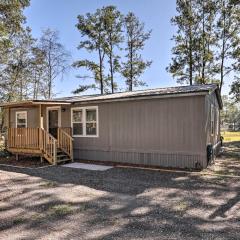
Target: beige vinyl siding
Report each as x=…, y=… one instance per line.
x=168, y=132
x=32, y=116
x=214, y=138
x=162, y=132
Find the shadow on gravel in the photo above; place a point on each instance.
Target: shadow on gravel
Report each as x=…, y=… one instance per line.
x=65, y=203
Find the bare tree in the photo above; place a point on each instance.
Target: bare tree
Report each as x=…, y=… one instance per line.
x=56, y=58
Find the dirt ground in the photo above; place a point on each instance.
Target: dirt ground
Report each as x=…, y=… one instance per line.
x=54, y=202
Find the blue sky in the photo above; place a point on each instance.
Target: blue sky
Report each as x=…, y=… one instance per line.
x=62, y=16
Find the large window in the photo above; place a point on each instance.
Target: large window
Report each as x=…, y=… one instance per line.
x=85, y=122
x=21, y=119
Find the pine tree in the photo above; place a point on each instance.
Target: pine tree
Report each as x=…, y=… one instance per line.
x=228, y=33
x=11, y=24
x=207, y=37
x=113, y=21
x=183, y=66
x=207, y=40
x=193, y=53
x=11, y=20
x=91, y=27
x=136, y=37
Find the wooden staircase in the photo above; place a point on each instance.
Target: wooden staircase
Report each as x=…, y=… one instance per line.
x=62, y=157
x=37, y=141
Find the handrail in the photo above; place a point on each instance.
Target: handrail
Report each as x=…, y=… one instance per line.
x=67, y=130
x=39, y=141
x=49, y=146
x=65, y=142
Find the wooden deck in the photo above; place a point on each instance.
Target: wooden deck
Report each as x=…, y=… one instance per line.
x=37, y=141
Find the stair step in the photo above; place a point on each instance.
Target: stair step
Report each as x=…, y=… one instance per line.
x=60, y=152
x=63, y=160
x=62, y=155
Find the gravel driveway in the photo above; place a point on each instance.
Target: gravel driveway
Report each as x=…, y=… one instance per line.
x=121, y=203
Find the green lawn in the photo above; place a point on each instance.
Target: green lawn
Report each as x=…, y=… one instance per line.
x=230, y=136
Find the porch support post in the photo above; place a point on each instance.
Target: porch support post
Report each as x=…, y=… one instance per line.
x=9, y=117
x=40, y=117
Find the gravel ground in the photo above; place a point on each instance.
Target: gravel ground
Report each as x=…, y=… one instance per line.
x=54, y=202
x=23, y=161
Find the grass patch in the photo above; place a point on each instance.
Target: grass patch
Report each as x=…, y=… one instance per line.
x=18, y=220
x=230, y=136
x=181, y=206
x=49, y=184
x=37, y=217
x=61, y=209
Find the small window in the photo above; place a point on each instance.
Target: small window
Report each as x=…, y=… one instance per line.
x=212, y=119
x=217, y=121
x=91, y=122
x=21, y=119
x=85, y=122
x=77, y=122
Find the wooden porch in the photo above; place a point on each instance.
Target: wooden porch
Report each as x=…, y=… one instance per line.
x=33, y=136
x=37, y=141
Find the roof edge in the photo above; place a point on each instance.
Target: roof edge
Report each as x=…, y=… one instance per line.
x=153, y=96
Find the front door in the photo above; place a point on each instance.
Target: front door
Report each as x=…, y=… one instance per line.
x=53, y=121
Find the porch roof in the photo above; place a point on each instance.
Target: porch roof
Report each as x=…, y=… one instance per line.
x=33, y=102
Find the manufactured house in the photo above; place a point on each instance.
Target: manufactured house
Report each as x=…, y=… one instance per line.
x=175, y=127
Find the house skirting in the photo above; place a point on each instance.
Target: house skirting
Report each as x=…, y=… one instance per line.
x=175, y=160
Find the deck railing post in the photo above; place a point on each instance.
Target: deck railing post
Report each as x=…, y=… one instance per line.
x=54, y=152
x=40, y=140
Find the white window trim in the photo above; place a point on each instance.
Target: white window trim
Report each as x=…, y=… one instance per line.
x=59, y=115
x=25, y=112
x=84, y=121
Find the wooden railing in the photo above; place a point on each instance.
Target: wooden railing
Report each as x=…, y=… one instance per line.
x=48, y=146
x=24, y=138
x=65, y=142
x=68, y=130
x=33, y=140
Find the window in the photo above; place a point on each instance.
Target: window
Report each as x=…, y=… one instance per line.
x=217, y=122
x=91, y=122
x=212, y=119
x=77, y=123
x=85, y=122
x=21, y=119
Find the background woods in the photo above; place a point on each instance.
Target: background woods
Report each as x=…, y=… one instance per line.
x=206, y=50
x=207, y=42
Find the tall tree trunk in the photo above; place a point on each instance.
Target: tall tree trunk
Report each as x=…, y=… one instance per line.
x=111, y=70
x=50, y=83
x=131, y=67
x=190, y=48
x=111, y=61
x=190, y=58
x=100, y=70
x=203, y=44
x=223, y=48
